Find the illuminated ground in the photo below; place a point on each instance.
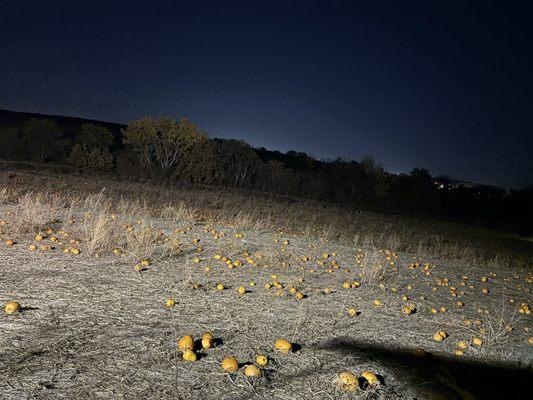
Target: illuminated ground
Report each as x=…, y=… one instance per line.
x=96, y=328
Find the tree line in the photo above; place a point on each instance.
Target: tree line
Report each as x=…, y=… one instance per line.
x=177, y=151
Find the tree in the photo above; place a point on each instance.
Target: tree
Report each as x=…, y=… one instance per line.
x=198, y=165
x=91, y=150
x=174, y=140
x=374, y=183
x=141, y=136
x=421, y=174
x=11, y=146
x=95, y=136
x=238, y=162
x=42, y=138
x=100, y=159
x=280, y=179
x=161, y=142
x=96, y=159
x=78, y=157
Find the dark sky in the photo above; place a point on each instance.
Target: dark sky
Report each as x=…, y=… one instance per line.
x=446, y=85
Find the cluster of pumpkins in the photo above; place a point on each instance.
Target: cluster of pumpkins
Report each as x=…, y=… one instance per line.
x=70, y=247
x=461, y=345
x=349, y=382
x=229, y=364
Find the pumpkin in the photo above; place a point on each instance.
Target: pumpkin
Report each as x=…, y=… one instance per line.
x=348, y=381
x=186, y=343
x=261, y=360
x=283, y=346
x=189, y=355
x=418, y=352
x=347, y=378
x=407, y=310
x=437, y=337
x=252, y=371
x=462, y=345
x=207, y=343
x=242, y=290
x=370, y=377
x=12, y=307
x=170, y=303
x=220, y=287
x=477, y=341
x=230, y=364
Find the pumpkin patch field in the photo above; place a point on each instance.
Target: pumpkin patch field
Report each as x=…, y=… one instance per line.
x=110, y=291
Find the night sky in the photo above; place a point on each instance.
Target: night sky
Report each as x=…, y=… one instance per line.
x=445, y=85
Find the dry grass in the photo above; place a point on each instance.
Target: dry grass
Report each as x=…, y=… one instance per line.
x=99, y=329
x=178, y=213
x=439, y=239
x=98, y=231
x=5, y=195
x=145, y=242
x=34, y=212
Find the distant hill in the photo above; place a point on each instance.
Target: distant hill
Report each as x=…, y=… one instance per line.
x=16, y=119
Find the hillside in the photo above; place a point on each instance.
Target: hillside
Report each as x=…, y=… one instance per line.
x=11, y=119
x=97, y=147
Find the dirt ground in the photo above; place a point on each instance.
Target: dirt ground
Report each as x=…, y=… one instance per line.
x=95, y=328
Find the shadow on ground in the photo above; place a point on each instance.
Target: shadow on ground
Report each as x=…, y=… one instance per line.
x=439, y=377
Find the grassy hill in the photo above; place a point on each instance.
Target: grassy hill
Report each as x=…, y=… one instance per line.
x=16, y=119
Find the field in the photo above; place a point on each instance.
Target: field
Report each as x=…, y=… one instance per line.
x=93, y=262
